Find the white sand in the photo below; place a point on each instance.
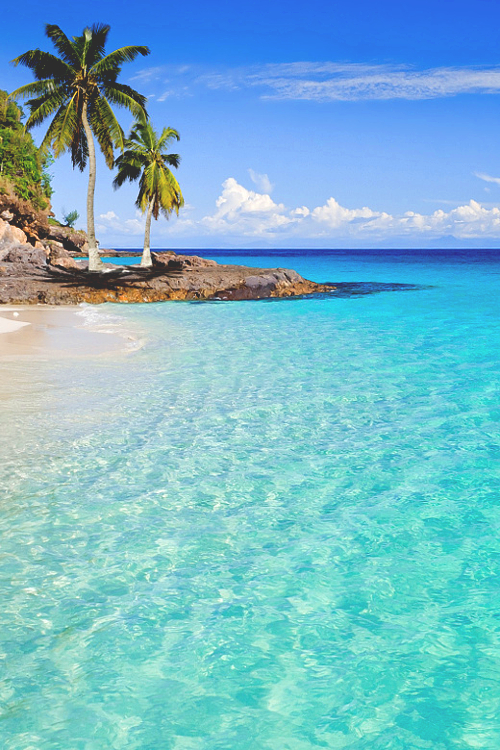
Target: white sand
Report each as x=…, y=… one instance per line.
x=7, y=325
x=42, y=330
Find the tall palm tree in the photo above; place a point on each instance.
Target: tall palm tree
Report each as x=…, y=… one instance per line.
x=146, y=159
x=77, y=90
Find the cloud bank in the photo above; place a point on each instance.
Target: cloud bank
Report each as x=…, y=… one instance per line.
x=242, y=215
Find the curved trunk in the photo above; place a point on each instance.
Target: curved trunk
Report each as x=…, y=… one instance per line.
x=95, y=263
x=146, y=253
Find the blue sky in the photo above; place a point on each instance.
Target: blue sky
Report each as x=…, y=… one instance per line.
x=302, y=125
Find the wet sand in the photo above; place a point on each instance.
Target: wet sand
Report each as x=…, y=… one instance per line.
x=44, y=331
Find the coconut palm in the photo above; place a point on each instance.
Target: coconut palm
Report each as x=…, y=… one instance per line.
x=146, y=159
x=77, y=89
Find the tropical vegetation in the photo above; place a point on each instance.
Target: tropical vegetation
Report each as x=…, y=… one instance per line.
x=23, y=167
x=77, y=89
x=71, y=218
x=146, y=158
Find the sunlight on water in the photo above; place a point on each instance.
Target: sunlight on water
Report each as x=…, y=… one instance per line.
x=275, y=526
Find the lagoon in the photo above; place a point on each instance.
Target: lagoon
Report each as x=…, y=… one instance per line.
x=275, y=525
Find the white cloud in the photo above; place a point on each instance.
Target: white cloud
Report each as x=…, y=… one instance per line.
x=111, y=223
x=241, y=214
x=262, y=181
x=333, y=214
x=487, y=177
x=245, y=213
x=352, y=83
x=331, y=81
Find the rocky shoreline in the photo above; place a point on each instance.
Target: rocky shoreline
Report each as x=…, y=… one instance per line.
x=43, y=263
x=39, y=275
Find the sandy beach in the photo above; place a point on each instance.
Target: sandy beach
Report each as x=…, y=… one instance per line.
x=60, y=331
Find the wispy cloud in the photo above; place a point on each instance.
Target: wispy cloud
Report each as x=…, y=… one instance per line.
x=262, y=181
x=331, y=81
x=487, y=177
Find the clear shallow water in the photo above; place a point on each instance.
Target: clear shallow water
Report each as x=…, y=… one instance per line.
x=275, y=526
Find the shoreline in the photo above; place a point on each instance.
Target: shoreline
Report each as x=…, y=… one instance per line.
x=62, y=331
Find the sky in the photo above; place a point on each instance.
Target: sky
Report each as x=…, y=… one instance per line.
x=314, y=125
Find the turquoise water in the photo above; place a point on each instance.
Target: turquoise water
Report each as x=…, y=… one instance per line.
x=277, y=525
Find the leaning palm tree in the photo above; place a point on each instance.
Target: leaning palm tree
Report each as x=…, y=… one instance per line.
x=77, y=90
x=146, y=159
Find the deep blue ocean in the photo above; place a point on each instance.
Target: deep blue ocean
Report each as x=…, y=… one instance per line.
x=274, y=526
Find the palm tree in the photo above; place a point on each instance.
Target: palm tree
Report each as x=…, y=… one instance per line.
x=146, y=159
x=77, y=89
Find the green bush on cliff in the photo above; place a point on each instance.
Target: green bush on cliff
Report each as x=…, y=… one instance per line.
x=22, y=167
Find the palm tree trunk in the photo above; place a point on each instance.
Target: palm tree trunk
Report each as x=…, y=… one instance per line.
x=95, y=263
x=146, y=253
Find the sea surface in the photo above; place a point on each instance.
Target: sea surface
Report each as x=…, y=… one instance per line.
x=276, y=526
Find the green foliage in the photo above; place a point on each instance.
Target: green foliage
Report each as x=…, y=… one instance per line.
x=22, y=165
x=71, y=218
x=146, y=158
x=78, y=89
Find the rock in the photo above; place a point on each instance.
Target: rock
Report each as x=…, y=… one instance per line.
x=20, y=213
x=70, y=239
x=40, y=246
x=185, y=261
x=9, y=233
x=194, y=261
x=169, y=261
x=58, y=256
x=17, y=235
x=25, y=254
x=25, y=278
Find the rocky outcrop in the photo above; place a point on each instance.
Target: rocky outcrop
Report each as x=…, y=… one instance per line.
x=27, y=276
x=10, y=236
x=60, y=257
x=23, y=216
x=72, y=240
x=37, y=265
x=21, y=223
x=187, y=261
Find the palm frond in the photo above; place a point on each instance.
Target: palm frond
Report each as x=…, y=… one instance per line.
x=121, y=96
x=167, y=135
x=44, y=65
x=38, y=88
x=144, y=160
x=116, y=59
x=97, y=44
x=106, y=128
x=44, y=106
x=127, y=171
x=63, y=45
x=172, y=160
x=79, y=149
x=61, y=131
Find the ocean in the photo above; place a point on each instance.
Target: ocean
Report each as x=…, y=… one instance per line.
x=274, y=526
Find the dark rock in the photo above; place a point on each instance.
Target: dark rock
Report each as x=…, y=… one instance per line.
x=26, y=278
x=70, y=239
x=26, y=254
x=58, y=256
